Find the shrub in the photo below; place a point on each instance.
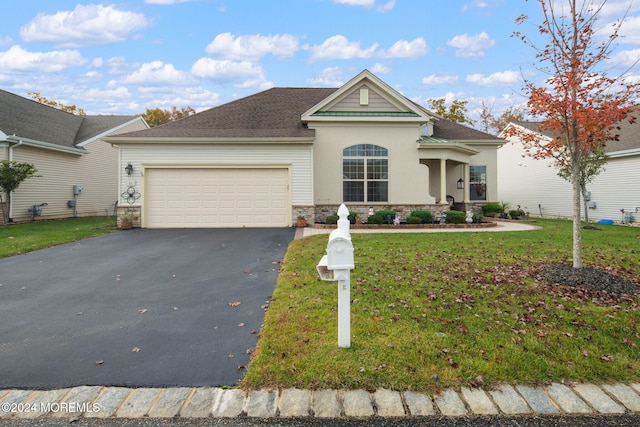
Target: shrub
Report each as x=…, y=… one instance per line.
x=477, y=218
x=491, y=209
x=374, y=219
x=455, y=217
x=387, y=215
x=353, y=217
x=514, y=214
x=332, y=219
x=414, y=220
x=425, y=216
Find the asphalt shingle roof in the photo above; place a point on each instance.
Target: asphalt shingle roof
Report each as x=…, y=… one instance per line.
x=629, y=135
x=274, y=113
x=32, y=120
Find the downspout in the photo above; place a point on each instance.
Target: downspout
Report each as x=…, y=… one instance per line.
x=11, y=147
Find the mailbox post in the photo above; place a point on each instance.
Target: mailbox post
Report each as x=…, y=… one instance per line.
x=336, y=265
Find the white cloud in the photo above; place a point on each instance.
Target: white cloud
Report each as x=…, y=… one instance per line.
x=482, y=4
x=365, y=3
x=117, y=65
x=502, y=78
x=164, y=2
x=625, y=58
x=242, y=73
x=630, y=31
x=329, y=77
x=158, y=73
x=440, y=79
x=379, y=68
x=387, y=7
x=471, y=46
x=18, y=59
x=90, y=25
x=5, y=40
x=407, y=49
x=339, y=47
x=252, y=47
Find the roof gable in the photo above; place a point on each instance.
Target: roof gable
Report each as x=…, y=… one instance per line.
x=366, y=98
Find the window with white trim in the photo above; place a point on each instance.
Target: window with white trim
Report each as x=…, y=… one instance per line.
x=365, y=173
x=478, y=178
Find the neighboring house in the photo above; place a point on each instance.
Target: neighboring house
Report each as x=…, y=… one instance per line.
x=68, y=152
x=537, y=188
x=264, y=160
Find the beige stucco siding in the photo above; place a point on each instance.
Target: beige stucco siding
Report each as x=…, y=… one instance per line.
x=297, y=157
x=59, y=172
x=408, y=179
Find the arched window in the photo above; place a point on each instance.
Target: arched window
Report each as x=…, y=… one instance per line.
x=365, y=173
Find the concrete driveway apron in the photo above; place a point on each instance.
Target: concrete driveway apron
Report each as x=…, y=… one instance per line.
x=138, y=308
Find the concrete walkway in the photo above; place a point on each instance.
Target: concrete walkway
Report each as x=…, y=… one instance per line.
x=500, y=226
x=211, y=402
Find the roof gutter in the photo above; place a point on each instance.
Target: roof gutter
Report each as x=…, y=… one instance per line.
x=45, y=145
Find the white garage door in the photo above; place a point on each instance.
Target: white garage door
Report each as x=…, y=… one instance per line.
x=209, y=198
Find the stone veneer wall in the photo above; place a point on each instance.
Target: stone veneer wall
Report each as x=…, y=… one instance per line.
x=308, y=212
x=132, y=211
x=402, y=211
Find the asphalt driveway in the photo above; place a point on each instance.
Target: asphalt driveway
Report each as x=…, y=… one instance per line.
x=138, y=308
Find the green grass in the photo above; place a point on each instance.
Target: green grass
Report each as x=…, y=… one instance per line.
x=436, y=310
x=22, y=238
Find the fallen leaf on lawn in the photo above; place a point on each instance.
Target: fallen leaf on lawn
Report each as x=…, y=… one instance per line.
x=606, y=358
x=234, y=304
x=135, y=350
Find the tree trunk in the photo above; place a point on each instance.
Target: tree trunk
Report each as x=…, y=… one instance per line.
x=577, y=229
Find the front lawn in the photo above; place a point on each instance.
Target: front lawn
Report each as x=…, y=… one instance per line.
x=17, y=239
x=433, y=310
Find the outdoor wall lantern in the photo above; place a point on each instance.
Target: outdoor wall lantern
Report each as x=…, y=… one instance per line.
x=129, y=169
x=460, y=184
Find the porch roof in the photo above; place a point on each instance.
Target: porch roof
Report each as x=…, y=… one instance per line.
x=430, y=147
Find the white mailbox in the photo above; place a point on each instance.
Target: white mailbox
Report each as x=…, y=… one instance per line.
x=336, y=265
x=340, y=254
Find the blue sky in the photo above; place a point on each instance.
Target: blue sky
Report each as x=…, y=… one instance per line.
x=120, y=57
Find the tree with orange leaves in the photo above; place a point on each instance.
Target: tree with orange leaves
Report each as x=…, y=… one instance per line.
x=580, y=104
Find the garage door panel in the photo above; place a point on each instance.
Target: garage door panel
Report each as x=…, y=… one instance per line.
x=209, y=197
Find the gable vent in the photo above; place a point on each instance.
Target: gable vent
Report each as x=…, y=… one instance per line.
x=364, y=96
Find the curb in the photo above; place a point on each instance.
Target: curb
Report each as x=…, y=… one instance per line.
x=205, y=402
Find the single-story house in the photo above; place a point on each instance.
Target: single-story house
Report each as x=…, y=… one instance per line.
x=264, y=160
x=78, y=171
x=537, y=188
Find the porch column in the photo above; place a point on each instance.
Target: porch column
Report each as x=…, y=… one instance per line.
x=467, y=183
x=443, y=181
